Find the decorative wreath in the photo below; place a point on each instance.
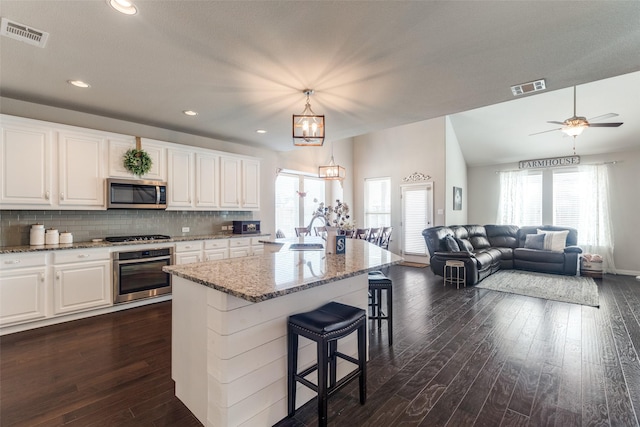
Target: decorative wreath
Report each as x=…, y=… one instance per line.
x=137, y=161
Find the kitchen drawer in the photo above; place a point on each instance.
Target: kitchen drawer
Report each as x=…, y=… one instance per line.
x=189, y=246
x=80, y=255
x=255, y=241
x=21, y=260
x=243, y=241
x=216, y=244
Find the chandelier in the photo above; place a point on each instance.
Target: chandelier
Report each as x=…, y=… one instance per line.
x=332, y=171
x=308, y=127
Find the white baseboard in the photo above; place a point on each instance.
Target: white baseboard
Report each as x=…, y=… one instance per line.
x=629, y=272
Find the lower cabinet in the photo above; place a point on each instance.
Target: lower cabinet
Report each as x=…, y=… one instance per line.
x=23, y=280
x=188, y=252
x=81, y=286
x=81, y=280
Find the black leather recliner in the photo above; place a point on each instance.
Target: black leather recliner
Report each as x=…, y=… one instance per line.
x=489, y=248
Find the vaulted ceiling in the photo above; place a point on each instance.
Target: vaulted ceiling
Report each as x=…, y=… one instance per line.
x=242, y=65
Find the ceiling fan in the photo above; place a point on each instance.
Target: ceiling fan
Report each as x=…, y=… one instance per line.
x=573, y=126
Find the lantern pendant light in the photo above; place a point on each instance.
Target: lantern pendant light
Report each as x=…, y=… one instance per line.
x=332, y=171
x=308, y=127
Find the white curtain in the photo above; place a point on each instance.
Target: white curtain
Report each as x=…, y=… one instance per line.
x=511, y=206
x=595, y=231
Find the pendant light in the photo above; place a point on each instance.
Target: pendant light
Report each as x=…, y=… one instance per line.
x=308, y=127
x=332, y=171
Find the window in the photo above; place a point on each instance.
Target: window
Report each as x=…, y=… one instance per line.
x=566, y=200
x=520, y=198
x=377, y=202
x=294, y=201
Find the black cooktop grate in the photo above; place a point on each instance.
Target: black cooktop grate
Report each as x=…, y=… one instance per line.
x=119, y=239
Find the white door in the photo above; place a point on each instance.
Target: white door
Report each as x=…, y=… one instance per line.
x=417, y=214
x=81, y=286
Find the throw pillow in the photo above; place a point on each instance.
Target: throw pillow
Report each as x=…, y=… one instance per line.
x=464, y=245
x=534, y=241
x=554, y=240
x=451, y=244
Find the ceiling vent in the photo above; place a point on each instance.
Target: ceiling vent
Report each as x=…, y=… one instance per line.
x=23, y=33
x=523, y=88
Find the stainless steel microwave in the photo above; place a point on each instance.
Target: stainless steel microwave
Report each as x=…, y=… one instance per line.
x=136, y=194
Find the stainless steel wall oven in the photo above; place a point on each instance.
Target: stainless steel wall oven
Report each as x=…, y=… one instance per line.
x=138, y=274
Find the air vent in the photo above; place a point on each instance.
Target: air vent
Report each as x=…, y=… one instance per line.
x=23, y=33
x=523, y=88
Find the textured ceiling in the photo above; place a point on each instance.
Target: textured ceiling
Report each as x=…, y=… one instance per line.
x=243, y=65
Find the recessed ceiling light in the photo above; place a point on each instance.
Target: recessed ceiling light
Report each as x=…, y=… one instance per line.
x=190, y=113
x=123, y=6
x=78, y=83
x=261, y=131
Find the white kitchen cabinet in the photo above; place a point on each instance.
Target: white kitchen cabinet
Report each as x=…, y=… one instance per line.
x=188, y=252
x=119, y=145
x=26, y=162
x=23, y=288
x=51, y=166
x=179, y=179
x=81, y=280
x=239, y=183
x=250, y=184
x=207, y=181
x=230, y=180
x=80, y=169
x=240, y=247
x=257, y=248
x=216, y=249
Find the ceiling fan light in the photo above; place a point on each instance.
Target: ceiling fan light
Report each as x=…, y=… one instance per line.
x=573, y=130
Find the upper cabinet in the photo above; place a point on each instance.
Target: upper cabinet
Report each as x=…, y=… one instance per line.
x=118, y=145
x=49, y=166
x=80, y=169
x=26, y=164
x=239, y=183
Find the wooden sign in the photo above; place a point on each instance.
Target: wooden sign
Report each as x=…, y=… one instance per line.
x=550, y=163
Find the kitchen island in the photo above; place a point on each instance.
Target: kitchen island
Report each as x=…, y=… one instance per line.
x=229, y=326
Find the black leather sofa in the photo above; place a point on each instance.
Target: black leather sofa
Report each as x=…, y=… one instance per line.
x=485, y=249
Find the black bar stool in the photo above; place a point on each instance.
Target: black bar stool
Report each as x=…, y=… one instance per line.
x=378, y=282
x=326, y=325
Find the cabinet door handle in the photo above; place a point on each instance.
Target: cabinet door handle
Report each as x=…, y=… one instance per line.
x=58, y=275
x=42, y=277
x=12, y=261
x=84, y=256
x=46, y=195
x=61, y=196
x=188, y=247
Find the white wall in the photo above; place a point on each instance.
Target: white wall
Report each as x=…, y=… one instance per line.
x=455, y=176
x=397, y=153
x=484, y=190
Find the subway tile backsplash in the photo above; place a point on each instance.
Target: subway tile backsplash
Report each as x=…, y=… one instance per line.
x=87, y=225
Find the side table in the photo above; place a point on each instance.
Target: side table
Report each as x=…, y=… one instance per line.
x=455, y=273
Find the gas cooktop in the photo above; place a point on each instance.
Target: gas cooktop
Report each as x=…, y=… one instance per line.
x=119, y=239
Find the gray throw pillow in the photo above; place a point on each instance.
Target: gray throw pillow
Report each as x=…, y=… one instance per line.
x=464, y=245
x=533, y=241
x=451, y=244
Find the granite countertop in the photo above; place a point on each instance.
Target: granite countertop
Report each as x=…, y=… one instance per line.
x=105, y=244
x=273, y=274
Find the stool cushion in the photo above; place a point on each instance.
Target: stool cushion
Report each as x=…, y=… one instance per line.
x=377, y=278
x=328, y=318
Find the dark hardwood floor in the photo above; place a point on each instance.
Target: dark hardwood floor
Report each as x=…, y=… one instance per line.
x=460, y=358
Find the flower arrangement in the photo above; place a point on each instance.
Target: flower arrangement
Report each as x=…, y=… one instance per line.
x=341, y=211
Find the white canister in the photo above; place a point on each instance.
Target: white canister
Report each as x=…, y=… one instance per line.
x=51, y=237
x=66, y=237
x=36, y=235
